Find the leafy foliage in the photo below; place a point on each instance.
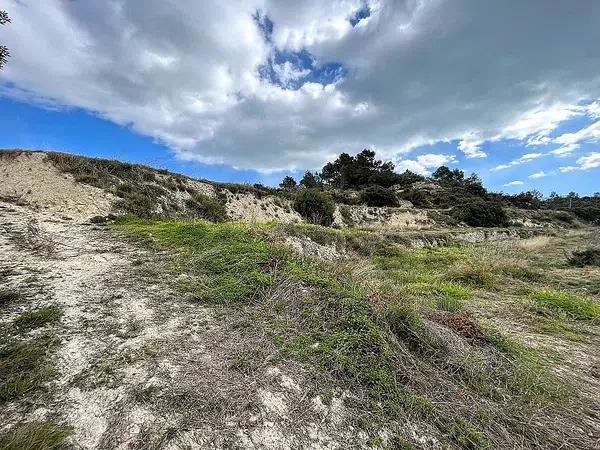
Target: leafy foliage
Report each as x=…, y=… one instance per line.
x=315, y=206
x=480, y=213
x=379, y=196
x=288, y=183
x=355, y=172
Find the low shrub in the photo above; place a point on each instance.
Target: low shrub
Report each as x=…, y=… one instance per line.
x=315, y=206
x=480, y=213
x=587, y=257
x=379, y=196
x=208, y=208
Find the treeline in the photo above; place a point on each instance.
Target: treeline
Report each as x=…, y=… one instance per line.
x=362, y=179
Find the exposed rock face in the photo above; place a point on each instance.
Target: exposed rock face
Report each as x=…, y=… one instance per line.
x=29, y=178
x=267, y=209
x=365, y=216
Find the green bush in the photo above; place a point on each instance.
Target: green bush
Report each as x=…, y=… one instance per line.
x=379, y=196
x=315, y=206
x=480, y=213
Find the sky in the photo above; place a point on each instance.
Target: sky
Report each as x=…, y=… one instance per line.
x=253, y=90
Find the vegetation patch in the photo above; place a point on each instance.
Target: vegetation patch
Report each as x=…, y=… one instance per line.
x=315, y=206
x=8, y=296
x=23, y=366
x=35, y=436
x=572, y=305
x=38, y=317
x=587, y=257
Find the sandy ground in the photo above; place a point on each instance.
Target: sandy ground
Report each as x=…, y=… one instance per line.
x=140, y=367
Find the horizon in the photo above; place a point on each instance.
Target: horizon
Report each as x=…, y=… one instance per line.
x=267, y=89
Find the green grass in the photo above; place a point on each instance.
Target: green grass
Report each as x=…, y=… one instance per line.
x=372, y=339
x=574, y=306
x=35, y=436
x=23, y=366
x=37, y=318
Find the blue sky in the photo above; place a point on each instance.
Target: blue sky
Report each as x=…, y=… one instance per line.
x=270, y=88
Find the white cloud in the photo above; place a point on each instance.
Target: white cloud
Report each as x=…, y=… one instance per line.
x=287, y=72
x=471, y=148
x=590, y=161
x=565, y=150
x=540, y=174
x=514, y=183
x=423, y=164
x=418, y=72
x=523, y=159
x=590, y=133
x=566, y=169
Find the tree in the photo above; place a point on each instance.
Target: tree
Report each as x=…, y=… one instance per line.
x=4, y=53
x=355, y=172
x=288, y=183
x=408, y=178
x=310, y=180
x=379, y=196
x=446, y=176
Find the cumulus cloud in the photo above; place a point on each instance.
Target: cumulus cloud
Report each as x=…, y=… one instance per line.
x=414, y=72
x=423, y=164
x=514, y=183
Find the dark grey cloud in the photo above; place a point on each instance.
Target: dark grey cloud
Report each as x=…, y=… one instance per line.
x=417, y=72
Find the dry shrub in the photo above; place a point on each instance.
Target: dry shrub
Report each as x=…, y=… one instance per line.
x=534, y=243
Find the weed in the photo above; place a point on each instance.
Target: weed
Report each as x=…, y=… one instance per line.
x=572, y=305
x=35, y=436
x=38, y=318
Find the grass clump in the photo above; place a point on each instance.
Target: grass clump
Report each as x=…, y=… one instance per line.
x=573, y=306
x=473, y=273
x=35, y=436
x=586, y=257
x=23, y=367
x=37, y=318
x=406, y=323
x=8, y=296
x=449, y=304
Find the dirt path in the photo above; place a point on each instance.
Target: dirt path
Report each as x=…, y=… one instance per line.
x=137, y=365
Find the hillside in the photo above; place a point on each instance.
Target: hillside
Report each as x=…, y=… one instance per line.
x=141, y=309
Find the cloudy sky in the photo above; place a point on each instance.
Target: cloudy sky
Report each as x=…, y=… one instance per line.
x=251, y=90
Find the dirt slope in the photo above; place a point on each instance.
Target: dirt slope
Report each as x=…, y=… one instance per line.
x=136, y=365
